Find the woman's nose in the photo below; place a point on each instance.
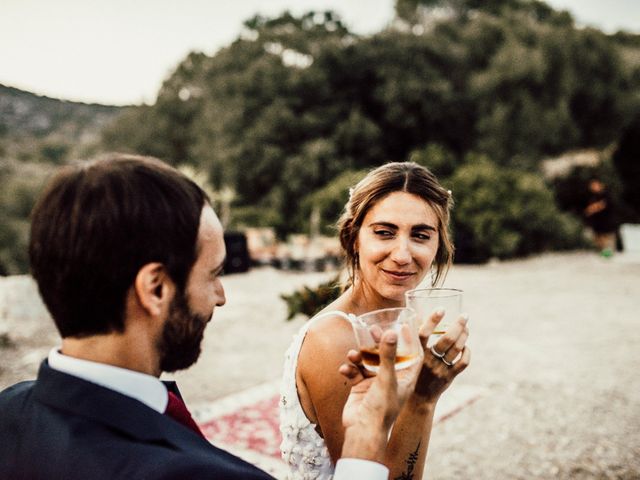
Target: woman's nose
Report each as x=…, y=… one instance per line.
x=401, y=252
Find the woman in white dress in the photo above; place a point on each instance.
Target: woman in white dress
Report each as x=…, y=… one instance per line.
x=393, y=232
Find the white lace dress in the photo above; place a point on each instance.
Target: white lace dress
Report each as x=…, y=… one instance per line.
x=303, y=450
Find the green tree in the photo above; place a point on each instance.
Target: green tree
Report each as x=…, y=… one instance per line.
x=296, y=100
x=604, y=98
x=436, y=158
x=330, y=200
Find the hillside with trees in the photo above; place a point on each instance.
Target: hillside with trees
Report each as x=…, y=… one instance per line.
x=36, y=134
x=287, y=115
x=43, y=129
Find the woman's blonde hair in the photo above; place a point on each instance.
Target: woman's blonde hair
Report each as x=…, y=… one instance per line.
x=396, y=177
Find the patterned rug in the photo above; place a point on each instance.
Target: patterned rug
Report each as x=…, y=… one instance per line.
x=254, y=427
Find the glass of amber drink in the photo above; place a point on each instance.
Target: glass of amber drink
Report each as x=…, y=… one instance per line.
x=370, y=326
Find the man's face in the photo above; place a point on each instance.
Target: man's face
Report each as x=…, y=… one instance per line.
x=190, y=311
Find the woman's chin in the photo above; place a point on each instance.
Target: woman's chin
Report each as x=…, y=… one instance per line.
x=392, y=295
x=395, y=294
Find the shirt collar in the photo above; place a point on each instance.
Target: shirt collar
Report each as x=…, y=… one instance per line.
x=144, y=388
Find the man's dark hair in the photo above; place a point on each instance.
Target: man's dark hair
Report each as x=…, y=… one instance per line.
x=97, y=223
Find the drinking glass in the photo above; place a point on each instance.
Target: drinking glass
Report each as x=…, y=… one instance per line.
x=425, y=301
x=369, y=328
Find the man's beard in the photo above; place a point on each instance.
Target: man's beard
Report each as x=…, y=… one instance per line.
x=180, y=342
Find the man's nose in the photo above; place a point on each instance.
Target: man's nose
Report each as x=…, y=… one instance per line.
x=221, y=299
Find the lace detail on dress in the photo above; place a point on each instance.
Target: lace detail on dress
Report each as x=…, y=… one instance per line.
x=303, y=450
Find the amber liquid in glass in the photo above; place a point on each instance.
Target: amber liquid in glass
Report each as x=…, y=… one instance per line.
x=371, y=357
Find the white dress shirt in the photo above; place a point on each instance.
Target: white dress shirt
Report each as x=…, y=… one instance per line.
x=144, y=388
x=152, y=392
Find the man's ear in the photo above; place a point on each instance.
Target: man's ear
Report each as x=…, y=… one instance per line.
x=154, y=288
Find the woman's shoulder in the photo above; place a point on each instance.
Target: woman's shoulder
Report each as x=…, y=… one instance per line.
x=329, y=321
x=329, y=336
x=330, y=324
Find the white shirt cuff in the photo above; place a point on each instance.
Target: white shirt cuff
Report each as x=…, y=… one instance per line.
x=350, y=468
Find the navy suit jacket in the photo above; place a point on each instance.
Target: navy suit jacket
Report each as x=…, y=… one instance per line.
x=63, y=427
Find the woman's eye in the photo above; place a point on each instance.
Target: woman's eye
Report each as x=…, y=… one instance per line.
x=422, y=236
x=383, y=233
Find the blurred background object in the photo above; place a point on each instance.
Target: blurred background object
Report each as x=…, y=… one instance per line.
x=238, y=259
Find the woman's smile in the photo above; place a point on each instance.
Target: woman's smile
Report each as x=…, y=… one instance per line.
x=397, y=275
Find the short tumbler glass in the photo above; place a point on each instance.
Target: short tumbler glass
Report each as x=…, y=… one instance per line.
x=425, y=301
x=370, y=326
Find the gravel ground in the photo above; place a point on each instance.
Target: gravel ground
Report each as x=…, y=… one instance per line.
x=555, y=347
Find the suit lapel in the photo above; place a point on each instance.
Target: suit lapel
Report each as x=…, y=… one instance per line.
x=83, y=398
x=76, y=397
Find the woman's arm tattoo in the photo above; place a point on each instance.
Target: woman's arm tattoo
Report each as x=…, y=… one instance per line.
x=411, y=463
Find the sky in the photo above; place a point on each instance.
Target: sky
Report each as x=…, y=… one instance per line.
x=119, y=52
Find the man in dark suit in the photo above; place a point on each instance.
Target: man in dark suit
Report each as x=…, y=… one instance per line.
x=127, y=254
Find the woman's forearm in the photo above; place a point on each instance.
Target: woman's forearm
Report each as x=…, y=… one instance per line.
x=407, y=448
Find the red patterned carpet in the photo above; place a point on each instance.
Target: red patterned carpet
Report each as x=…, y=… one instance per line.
x=252, y=427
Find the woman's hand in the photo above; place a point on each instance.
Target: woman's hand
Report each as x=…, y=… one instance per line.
x=444, y=360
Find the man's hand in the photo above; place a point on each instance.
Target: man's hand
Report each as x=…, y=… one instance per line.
x=374, y=402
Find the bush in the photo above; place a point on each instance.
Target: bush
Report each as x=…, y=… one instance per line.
x=54, y=152
x=14, y=238
x=505, y=213
x=21, y=185
x=309, y=301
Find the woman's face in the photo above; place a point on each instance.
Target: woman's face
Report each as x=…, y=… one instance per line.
x=396, y=244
